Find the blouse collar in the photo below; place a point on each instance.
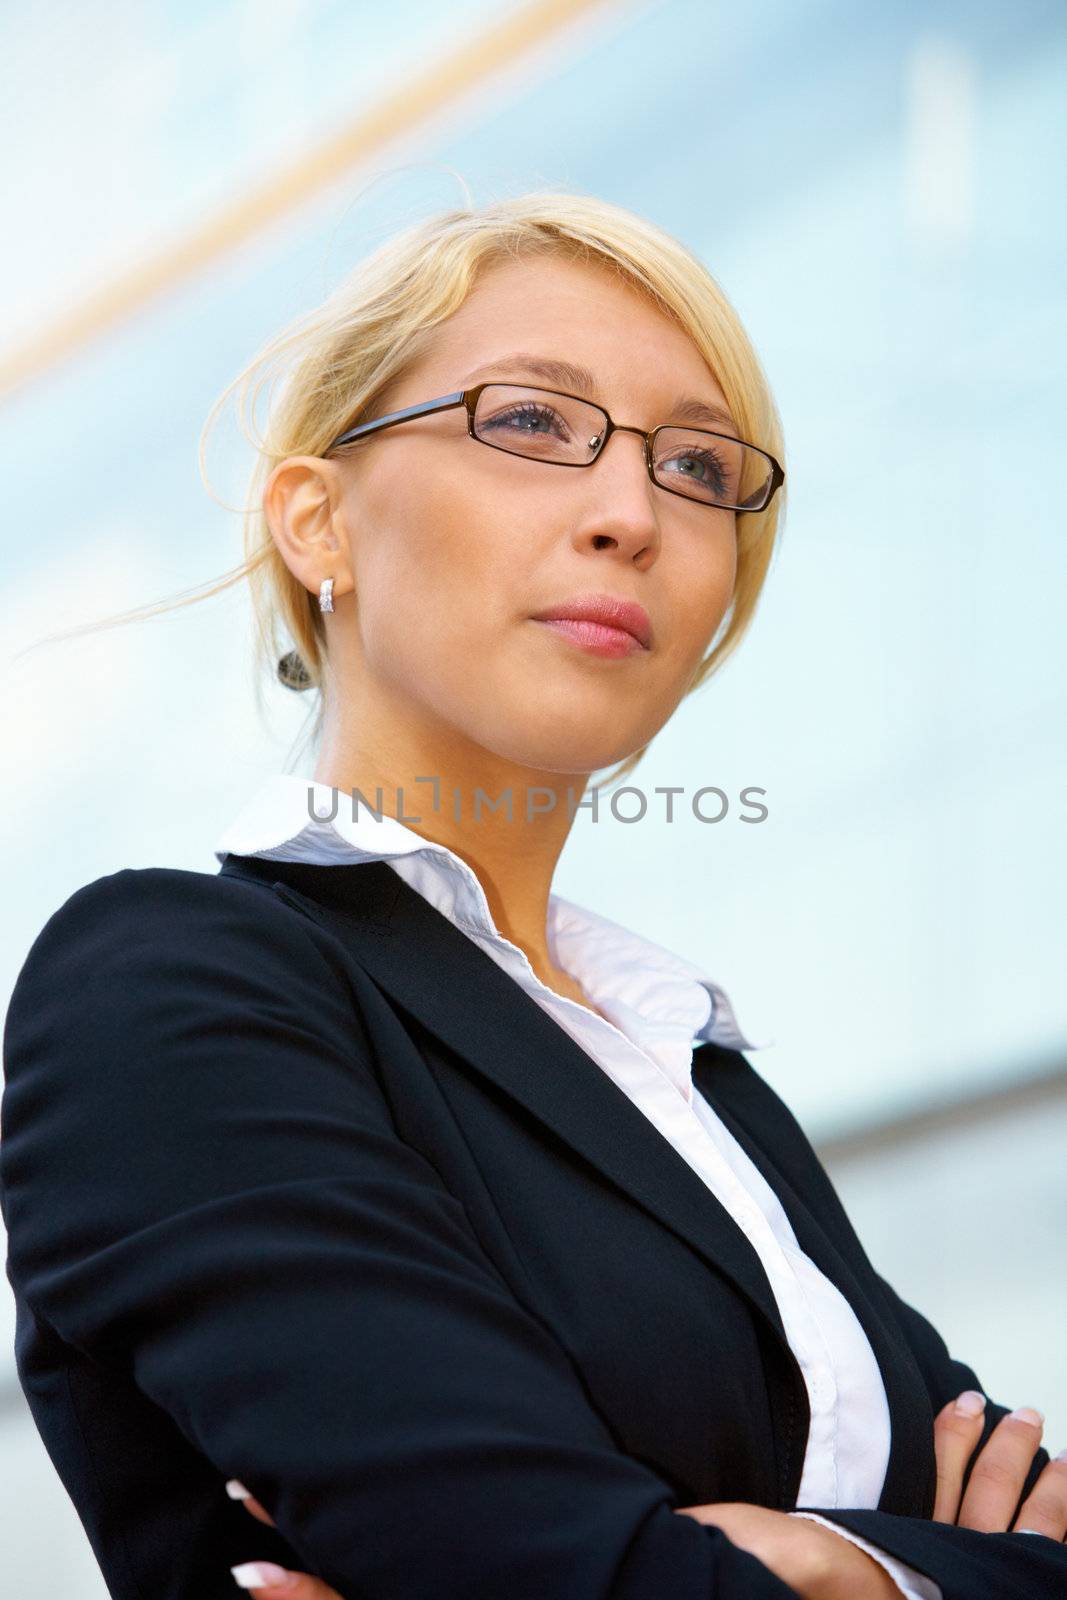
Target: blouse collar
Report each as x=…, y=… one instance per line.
x=644, y=989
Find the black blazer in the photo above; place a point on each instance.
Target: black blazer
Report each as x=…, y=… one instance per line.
x=301, y=1188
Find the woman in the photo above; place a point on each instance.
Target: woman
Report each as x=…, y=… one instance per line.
x=371, y=1179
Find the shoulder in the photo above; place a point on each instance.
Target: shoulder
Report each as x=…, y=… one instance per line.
x=165, y=930
x=150, y=985
x=164, y=1019
x=171, y=903
x=169, y=896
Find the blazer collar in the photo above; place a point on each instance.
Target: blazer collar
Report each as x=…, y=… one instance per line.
x=431, y=969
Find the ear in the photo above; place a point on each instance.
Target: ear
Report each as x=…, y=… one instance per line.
x=302, y=505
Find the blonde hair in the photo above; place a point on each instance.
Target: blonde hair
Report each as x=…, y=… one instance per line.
x=337, y=363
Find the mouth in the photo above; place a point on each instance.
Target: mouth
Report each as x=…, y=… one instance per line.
x=593, y=637
x=601, y=623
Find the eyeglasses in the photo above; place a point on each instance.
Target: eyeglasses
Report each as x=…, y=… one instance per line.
x=562, y=430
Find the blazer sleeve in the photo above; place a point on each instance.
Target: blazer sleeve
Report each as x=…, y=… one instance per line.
x=957, y=1561
x=962, y=1561
x=204, y=1190
x=998, y=1566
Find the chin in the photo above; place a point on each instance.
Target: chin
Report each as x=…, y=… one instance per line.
x=574, y=757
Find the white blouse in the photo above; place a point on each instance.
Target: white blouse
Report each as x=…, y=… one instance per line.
x=658, y=1005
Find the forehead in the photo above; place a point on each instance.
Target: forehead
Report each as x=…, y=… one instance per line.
x=578, y=313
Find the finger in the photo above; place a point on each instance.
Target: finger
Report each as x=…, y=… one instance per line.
x=957, y=1429
x=1045, y=1508
x=998, y=1475
x=237, y=1491
x=267, y=1581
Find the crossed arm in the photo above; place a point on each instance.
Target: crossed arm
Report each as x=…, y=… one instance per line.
x=994, y=1500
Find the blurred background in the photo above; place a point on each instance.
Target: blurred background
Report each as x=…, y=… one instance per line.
x=879, y=190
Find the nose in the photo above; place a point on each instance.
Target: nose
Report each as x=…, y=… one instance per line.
x=626, y=519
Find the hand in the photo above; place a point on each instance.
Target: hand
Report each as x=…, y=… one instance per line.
x=817, y=1563
x=285, y=1585
x=998, y=1474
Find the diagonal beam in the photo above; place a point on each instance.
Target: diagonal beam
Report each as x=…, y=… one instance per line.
x=531, y=28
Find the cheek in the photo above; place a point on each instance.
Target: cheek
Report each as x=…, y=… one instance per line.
x=700, y=599
x=433, y=583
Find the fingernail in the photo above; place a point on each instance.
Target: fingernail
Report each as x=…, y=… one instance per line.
x=260, y=1574
x=970, y=1403
x=236, y=1490
x=1028, y=1414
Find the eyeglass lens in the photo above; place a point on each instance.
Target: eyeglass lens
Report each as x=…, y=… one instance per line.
x=553, y=427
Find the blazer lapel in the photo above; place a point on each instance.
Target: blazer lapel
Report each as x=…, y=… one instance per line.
x=905, y=1490
x=432, y=970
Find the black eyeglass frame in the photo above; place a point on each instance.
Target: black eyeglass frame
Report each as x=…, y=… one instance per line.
x=469, y=399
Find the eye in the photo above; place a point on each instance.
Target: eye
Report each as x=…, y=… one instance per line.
x=714, y=467
x=527, y=417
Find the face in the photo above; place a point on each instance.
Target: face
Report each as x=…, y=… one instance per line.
x=446, y=549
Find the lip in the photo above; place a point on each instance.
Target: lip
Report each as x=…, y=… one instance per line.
x=608, y=611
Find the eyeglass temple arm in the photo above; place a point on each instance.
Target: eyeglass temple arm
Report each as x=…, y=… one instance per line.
x=424, y=409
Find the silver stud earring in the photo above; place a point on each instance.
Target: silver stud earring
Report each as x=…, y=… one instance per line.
x=326, y=595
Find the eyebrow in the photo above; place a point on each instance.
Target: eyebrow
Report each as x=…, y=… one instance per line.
x=579, y=379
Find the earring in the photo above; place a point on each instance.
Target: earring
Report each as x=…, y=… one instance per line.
x=326, y=595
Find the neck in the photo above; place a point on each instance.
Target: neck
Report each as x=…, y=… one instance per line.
x=458, y=798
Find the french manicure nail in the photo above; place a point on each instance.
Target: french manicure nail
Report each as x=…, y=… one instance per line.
x=1028, y=1414
x=970, y=1403
x=259, y=1575
x=236, y=1490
